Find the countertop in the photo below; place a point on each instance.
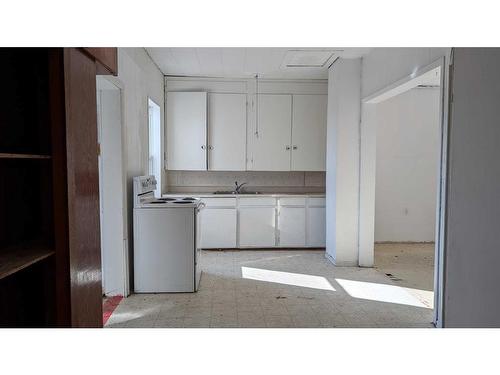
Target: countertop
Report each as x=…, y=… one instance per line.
x=243, y=195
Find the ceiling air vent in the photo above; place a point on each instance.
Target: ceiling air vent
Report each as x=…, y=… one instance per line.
x=306, y=58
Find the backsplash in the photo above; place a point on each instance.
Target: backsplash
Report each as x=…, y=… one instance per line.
x=265, y=182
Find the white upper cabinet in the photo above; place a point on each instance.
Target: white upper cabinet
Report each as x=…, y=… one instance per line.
x=227, y=124
x=283, y=128
x=309, y=133
x=271, y=143
x=186, y=130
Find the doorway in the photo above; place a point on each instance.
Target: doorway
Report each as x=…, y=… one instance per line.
x=404, y=134
x=114, y=241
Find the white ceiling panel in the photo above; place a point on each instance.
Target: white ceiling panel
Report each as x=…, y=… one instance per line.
x=247, y=62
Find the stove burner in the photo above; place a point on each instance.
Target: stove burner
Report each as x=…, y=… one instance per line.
x=167, y=199
x=189, y=199
x=157, y=202
x=183, y=202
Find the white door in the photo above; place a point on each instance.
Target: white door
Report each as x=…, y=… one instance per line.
x=316, y=227
x=272, y=138
x=309, y=133
x=292, y=226
x=186, y=124
x=227, y=126
x=218, y=228
x=257, y=227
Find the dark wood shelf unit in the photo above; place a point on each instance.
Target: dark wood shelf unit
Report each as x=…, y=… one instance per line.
x=18, y=258
x=50, y=256
x=23, y=156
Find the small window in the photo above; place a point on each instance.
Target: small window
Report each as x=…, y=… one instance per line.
x=155, y=157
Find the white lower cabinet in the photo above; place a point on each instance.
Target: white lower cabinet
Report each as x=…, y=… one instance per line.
x=263, y=222
x=218, y=228
x=257, y=226
x=316, y=227
x=292, y=227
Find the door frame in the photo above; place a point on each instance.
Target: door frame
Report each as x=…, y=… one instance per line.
x=441, y=217
x=114, y=81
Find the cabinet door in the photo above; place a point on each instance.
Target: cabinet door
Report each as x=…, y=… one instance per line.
x=227, y=126
x=309, y=133
x=218, y=228
x=257, y=227
x=316, y=227
x=271, y=143
x=292, y=226
x=186, y=131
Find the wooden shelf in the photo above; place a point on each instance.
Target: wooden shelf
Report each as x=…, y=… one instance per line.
x=17, y=258
x=23, y=156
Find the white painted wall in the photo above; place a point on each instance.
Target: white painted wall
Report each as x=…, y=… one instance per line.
x=384, y=66
x=139, y=78
x=342, y=163
x=381, y=68
x=407, y=166
x=472, y=279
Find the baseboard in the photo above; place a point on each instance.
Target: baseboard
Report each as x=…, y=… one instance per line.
x=403, y=242
x=340, y=264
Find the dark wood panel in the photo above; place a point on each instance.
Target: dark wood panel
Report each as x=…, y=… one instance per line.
x=106, y=59
x=24, y=126
x=60, y=188
x=83, y=189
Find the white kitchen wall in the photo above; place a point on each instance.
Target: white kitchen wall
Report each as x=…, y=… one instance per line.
x=138, y=78
x=381, y=68
x=407, y=166
x=266, y=182
x=342, y=162
x=384, y=66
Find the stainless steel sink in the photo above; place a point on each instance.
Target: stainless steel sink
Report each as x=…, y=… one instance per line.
x=235, y=193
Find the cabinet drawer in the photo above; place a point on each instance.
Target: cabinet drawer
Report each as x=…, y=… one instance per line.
x=317, y=202
x=261, y=201
x=295, y=201
x=219, y=202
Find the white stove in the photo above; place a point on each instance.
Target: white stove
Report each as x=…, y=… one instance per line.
x=144, y=197
x=166, y=240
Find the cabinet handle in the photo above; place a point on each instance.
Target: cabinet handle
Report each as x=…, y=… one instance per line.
x=210, y=147
x=287, y=148
x=294, y=147
x=203, y=147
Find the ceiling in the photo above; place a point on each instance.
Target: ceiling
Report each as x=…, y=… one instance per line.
x=285, y=63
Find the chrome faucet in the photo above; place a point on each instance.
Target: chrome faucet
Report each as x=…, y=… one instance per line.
x=237, y=189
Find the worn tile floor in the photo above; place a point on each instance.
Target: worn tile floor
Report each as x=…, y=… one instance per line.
x=410, y=265
x=296, y=288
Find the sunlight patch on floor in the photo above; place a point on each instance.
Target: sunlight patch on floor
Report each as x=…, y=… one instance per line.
x=380, y=292
x=287, y=278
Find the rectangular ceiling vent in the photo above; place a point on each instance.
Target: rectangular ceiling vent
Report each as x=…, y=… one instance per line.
x=306, y=58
